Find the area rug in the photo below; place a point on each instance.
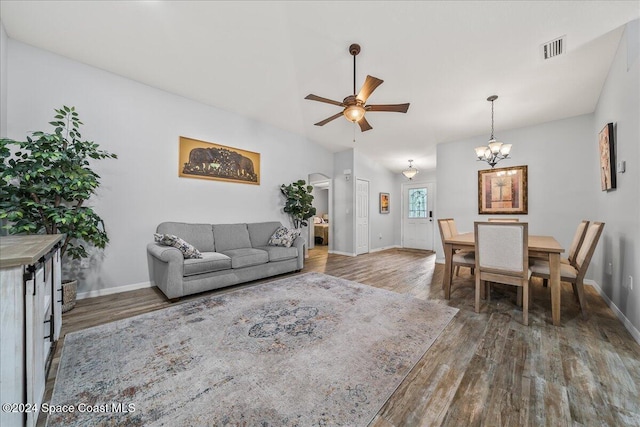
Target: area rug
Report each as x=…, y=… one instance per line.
x=307, y=350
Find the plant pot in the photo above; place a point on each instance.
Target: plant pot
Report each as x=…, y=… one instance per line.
x=69, y=292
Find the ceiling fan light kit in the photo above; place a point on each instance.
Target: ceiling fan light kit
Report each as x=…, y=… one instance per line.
x=354, y=106
x=495, y=150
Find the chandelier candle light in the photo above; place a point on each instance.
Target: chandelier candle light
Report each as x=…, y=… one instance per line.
x=410, y=172
x=494, y=151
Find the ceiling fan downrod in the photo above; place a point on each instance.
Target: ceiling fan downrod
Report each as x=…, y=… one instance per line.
x=354, y=50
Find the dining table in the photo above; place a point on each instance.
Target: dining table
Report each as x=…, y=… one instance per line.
x=545, y=247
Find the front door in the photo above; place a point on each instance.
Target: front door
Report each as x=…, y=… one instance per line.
x=418, y=216
x=362, y=216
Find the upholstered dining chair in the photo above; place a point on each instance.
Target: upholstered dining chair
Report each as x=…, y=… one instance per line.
x=503, y=220
x=462, y=258
x=575, y=271
x=502, y=256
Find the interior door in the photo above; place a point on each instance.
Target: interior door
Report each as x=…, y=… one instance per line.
x=418, y=216
x=362, y=216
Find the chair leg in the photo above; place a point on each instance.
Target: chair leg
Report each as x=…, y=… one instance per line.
x=545, y=282
x=525, y=304
x=487, y=290
x=581, y=297
x=457, y=270
x=519, y=296
x=575, y=292
x=478, y=283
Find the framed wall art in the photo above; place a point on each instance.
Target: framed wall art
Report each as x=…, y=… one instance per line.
x=503, y=191
x=384, y=203
x=607, y=158
x=206, y=160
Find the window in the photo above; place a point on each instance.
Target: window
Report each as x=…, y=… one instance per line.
x=417, y=203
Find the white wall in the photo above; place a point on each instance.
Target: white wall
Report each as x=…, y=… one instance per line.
x=620, y=208
x=142, y=125
x=561, y=180
x=381, y=180
x=3, y=80
x=343, y=204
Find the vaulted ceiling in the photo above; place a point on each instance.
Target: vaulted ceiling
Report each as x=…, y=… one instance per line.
x=260, y=59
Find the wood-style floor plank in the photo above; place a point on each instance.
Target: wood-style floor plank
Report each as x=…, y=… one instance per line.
x=485, y=368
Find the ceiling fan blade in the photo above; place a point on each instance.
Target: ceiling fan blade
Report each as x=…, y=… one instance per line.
x=325, y=121
x=364, y=125
x=321, y=99
x=370, y=84
x=398, y=108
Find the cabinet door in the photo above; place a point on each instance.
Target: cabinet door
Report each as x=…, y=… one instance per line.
x=57, y=295
x=35, y=351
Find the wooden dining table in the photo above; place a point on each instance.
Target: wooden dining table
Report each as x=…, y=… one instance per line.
x=545, y=247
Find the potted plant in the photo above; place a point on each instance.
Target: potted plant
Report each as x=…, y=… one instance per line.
x=298, y=203
x=46, y=183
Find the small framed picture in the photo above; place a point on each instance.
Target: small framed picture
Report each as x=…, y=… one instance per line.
x=384, y=203
x=607, y=158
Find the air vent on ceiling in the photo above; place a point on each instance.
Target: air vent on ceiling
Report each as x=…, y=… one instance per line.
x=554, y=47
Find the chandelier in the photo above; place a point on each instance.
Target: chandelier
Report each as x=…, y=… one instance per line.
x=410, y=172
x=494, y=151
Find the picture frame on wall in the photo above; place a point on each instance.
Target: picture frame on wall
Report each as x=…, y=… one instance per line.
x=207, y=160
x=503, y=191
x=384, y=203
x=607, y=158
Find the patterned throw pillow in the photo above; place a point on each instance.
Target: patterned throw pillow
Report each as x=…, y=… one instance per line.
x=188, y=250
x=283, y=237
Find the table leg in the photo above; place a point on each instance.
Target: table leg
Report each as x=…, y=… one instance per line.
x=448, y=270
x=554, y=283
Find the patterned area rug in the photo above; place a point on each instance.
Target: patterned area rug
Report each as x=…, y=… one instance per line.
x=308, y=350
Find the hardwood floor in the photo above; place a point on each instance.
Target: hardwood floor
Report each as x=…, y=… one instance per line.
x=484, y=369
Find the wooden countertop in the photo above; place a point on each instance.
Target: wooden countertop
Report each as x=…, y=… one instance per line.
x=27, y=249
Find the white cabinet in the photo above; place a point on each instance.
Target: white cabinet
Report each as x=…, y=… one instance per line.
x=30, y=320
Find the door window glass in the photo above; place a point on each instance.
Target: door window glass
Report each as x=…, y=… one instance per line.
x=417, y=203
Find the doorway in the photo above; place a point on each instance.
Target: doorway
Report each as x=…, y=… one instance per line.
x=417, y=215
x=321, y=224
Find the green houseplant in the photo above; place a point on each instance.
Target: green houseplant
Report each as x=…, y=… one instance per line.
x=298, y=202
x=47, y=181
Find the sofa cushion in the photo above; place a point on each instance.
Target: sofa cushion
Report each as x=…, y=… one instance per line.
x=210, y=261
x=199, y=235
x=188, y=250
x=279, y=253
x=283, y=237
x=231, y=236
x=247, y=257
x=260, y=232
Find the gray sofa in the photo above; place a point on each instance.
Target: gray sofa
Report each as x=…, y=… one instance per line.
x=231, y=254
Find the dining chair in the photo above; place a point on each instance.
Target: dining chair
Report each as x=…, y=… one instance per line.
x=575, y=271
x=502, y=256
x=503, y=220
x=578, y=239
x=462, y=258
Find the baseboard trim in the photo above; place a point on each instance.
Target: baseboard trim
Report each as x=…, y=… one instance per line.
x=384, y=248
x=342, y=253
x=115, y=290
x=619, y=314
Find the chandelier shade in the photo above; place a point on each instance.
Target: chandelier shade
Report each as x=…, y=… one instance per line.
x=410, y=172
x=495, y=150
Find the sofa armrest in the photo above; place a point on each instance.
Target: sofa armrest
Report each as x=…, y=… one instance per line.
x=166, y=265
x=301, y=244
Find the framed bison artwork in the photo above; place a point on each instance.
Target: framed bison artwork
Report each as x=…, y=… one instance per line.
x=206, y=160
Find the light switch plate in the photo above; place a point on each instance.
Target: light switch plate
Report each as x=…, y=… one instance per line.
x=621, y=166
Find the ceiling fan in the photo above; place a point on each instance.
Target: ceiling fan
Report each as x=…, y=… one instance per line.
x=354, y=106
